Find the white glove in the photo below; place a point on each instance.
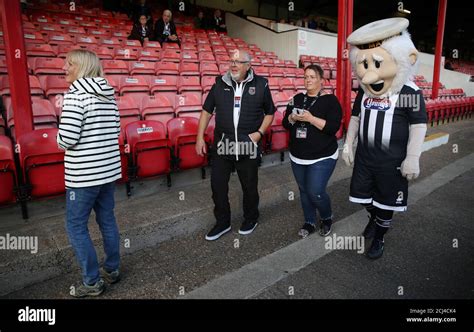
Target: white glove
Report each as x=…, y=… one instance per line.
x=410, y=167
x=348, y=150
x=348, y=154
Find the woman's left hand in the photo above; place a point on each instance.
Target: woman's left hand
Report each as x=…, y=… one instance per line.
x=305, y=117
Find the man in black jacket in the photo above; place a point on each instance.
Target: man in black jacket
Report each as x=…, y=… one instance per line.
x=165, y=29
x=243, y=107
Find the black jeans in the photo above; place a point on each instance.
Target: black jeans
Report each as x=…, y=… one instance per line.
x=247, y=170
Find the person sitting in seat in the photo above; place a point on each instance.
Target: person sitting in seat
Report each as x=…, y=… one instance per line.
x=165, y=29
x=217, y=22
x=200, y=21
x=142, y=31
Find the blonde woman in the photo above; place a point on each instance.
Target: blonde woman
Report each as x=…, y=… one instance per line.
x=88, y=132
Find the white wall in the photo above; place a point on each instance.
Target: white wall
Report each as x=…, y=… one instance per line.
x=285, y=45
x=451, y=79
x=250, y=7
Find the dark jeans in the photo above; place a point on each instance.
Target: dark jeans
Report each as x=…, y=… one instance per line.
x=312, y=181
x=79, y=204
x=247, y=170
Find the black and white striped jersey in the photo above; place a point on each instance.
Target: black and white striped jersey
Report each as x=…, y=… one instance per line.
x=88, y=132
x=384, y=125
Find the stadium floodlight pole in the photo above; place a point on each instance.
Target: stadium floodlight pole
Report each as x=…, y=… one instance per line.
x=17, y=69
x=341, y=42
x=439, y=47
x=347, y=80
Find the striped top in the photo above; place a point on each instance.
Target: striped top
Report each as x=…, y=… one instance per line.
x=88, y=132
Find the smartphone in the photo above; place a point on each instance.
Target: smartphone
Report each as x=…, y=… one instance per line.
x=298, y=111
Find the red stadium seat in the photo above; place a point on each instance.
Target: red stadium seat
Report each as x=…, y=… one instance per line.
x=287, y=85
x=157, y=107
x=207, y=82
x=189, y=69
x=281, y=100
x=86, y=41
x=164, y=83
x=278, y=136
x=42, y=162
x=115, y=67
x=63, y=50
x=223, y=68
x=103, y=52
x=34, y=38
x=128, y=109
x=182, y=133
x=59, y=38
x=188, y=104
x=134, y=84
x=110, y=42
x=170, y=55
x=149, y=54
x=35, y=86
x=208, y=68
x=262, y=71
x=149, y=149
x=142, y=68
x=189, y=56
x=132, y=44
x=126, y=54
x=7, y=171
x=54, y=87
x=273, y=82
x=40, y=50
x=167, y=68
x=277, y=72
x=206, y=57
x=189, y=83
x=152, y=44
x=124, y=152
x=48, y=66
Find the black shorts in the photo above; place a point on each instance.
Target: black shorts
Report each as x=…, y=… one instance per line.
x=385, y=188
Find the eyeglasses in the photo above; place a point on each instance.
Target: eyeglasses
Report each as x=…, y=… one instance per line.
x=237, y=62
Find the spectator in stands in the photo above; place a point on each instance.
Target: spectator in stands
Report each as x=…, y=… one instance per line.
x=312, y=24
x=88, y=132
x=142, y=31
x=141, y=9
x=165, y=29
x=243, y=107
x=217, y=22
x=24, y=6
x=304, y=22
x=448, y=65
x=200, y=21
x=313, y=118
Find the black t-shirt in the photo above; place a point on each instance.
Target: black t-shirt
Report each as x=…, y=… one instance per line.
x=384, y=125
x=318, y=143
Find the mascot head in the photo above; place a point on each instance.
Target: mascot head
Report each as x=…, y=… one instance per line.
x=383, y=56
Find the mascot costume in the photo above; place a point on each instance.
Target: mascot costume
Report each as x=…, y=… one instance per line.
x=389, y=121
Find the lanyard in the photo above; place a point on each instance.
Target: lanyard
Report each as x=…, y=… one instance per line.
x=312, y=103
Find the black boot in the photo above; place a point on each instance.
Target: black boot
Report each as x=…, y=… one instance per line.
x=369, y=230
x=377, y=246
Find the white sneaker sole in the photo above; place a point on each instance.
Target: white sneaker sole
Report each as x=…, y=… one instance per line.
x=249, y=231
x=215, y=237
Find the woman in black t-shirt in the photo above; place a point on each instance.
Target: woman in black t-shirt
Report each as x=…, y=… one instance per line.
x=313, y=119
